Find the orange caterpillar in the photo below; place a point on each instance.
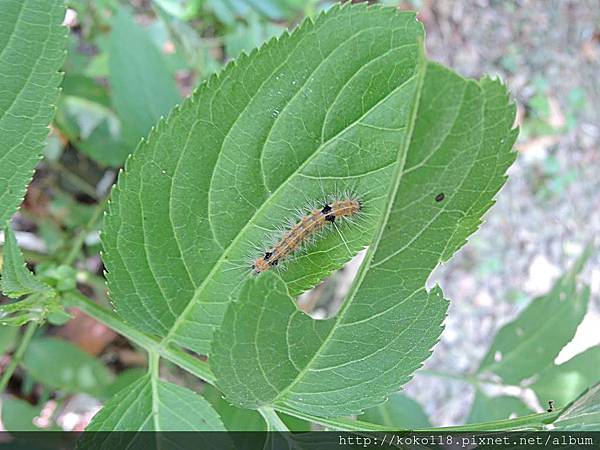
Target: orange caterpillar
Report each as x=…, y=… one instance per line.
x=302, y=231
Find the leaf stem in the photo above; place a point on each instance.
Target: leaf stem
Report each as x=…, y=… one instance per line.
x=177, y=356
x=153, y=364
x=154, y=372
x=274, y=422
x=18, y=355
x=201, y=370
x=518, y=423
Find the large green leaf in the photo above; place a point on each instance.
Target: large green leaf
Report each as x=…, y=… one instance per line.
x=423, y=148
x=528, y=344
x=31, y=53
x=229, y=167
x=583, y=414
x=564, y=382
x=461, y=147
x=62, y=365
x=143, y=89
x=150, y=404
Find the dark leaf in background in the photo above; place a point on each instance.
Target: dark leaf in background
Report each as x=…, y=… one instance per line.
x=528, y=344
x=142, y=88
x=61, y=365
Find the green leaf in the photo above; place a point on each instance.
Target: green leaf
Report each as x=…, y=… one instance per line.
x=486, y=409
x=16, y=279
x=528, y=344
x=59, y=364
x=460, y=146
x=32, y=44
x=92, y=128
x=82, y=86
x=8, y=334
x=281, y=126
x=154, y=405
x=397, y=413
x=583, y=414
x=18, y=415
x=245, y=38
x=231, y=164
x=227, y=10
x=143, y=90
x=564, y=382
x=35, y=307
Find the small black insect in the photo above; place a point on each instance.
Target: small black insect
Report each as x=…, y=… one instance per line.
x=440, y=197
x=550, y=406
x=268, y=255
x=274, y=262
x=330, y=218
x=326, y=209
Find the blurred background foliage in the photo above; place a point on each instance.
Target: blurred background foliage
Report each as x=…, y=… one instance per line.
x=130, y=62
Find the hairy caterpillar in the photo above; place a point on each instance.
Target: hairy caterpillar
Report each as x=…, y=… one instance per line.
x=304, y=230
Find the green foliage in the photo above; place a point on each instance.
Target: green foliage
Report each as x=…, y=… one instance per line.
x=527, y=345
x=18, y=415
x=8, y=335
x=345, y=103
x=31, y=54
x=62, y=365
x=16, y=279
x=280, y=126
x=197, y=229
x=238, y=419
x=485, y=408
x=92, y=127
x=143, y=90
x=227, y=11
x=234, y=419
x=564, y=382
x=397, y=413
x=123, y=380
x=149, y=404
x=583, y=414
x=326, y=367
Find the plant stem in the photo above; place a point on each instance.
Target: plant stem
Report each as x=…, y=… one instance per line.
x=153, y=363
x=154, y=371
x=184, y=360
x=201, y=370
x=18, y=355
x=274, y=422
x=78, y=241
x=530, y=421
